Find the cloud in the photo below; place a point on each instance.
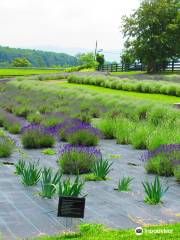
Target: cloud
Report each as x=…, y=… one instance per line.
x=63, y=23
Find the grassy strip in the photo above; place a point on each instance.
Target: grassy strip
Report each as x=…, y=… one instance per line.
x=148, y=96
x=128, y=73
x=23, y=72
x=128, y=85
x=99, y=232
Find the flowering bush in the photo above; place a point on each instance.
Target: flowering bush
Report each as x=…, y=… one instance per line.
x=83, y=134
x=75, y=160
x=66, y=125
x=6, y=146
x=10, y=123
x=37, y=136
x=163, y=160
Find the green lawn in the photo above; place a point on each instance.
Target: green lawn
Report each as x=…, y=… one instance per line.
x=157, y=97
x=98, y=232
x=128, y=73
x=22, y=72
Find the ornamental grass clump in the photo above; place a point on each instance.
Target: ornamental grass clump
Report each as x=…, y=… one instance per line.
x=83, y=134
x=37, y=136
x=162, y=161
x=124, y=184
x=49, y=182
x=31, y=174
x=154, y=191
x=20, y=165
x=70, y=188
x=6, y=146
x=101, y=169
x=80, y=159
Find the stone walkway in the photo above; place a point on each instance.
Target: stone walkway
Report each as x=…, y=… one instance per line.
x=24, y=214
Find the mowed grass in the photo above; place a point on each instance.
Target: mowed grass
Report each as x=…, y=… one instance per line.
x=98, y=232
x=25, y=72
x=128, y=73
x=156, y=97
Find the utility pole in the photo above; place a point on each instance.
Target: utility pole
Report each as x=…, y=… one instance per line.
x=95, y=53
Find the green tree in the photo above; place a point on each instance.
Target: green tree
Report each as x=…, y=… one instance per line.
x=100, y=59
x=86, y=59
x=152, y=32
x=127, y=58
x=21, y=62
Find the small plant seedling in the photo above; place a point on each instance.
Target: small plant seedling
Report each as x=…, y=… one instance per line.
x=92, y=177
x=154, y=191
x=49, y=151
x=124, y=184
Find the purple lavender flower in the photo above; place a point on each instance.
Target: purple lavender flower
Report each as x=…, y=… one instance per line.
x=68, y=148
x=170, y=151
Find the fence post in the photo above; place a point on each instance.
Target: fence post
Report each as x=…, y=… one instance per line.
x=173, y=66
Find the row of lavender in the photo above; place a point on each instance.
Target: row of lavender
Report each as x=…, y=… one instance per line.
x=78, y=155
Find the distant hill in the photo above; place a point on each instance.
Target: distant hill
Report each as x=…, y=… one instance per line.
x=36, y=57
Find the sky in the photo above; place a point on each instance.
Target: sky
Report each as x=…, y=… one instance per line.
x=69, y=26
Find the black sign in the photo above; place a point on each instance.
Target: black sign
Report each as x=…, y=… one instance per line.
x=71, y=207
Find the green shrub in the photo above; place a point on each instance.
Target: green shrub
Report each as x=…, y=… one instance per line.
x=154, y=191
x=160, y=165
x=49, y=151
x=83, y=137
x=6, y=146
x=122, y=130
x=177, y=173
x=140, y=135
x=12, y=127
x=21, y=111
x=106, y=126
x=34, y=117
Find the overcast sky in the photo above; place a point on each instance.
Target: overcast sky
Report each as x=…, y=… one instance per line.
x=64, y=25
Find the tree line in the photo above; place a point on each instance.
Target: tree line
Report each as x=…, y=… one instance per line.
x=35, y=58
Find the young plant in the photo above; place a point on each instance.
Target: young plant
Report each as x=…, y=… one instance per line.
x=68, y=188
x=154, y=191
x=6, y=146
x=31, y=174
x=49, y=151
x=101, y=169
x=49, y=182
x=124, y=184
x=20, y=165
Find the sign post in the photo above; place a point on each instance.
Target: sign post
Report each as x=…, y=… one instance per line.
x=71, y=207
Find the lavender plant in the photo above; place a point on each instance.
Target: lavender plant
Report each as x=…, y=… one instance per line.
x=163, y=160
x=75, y=160
x=83, y=134
x=37, y=136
